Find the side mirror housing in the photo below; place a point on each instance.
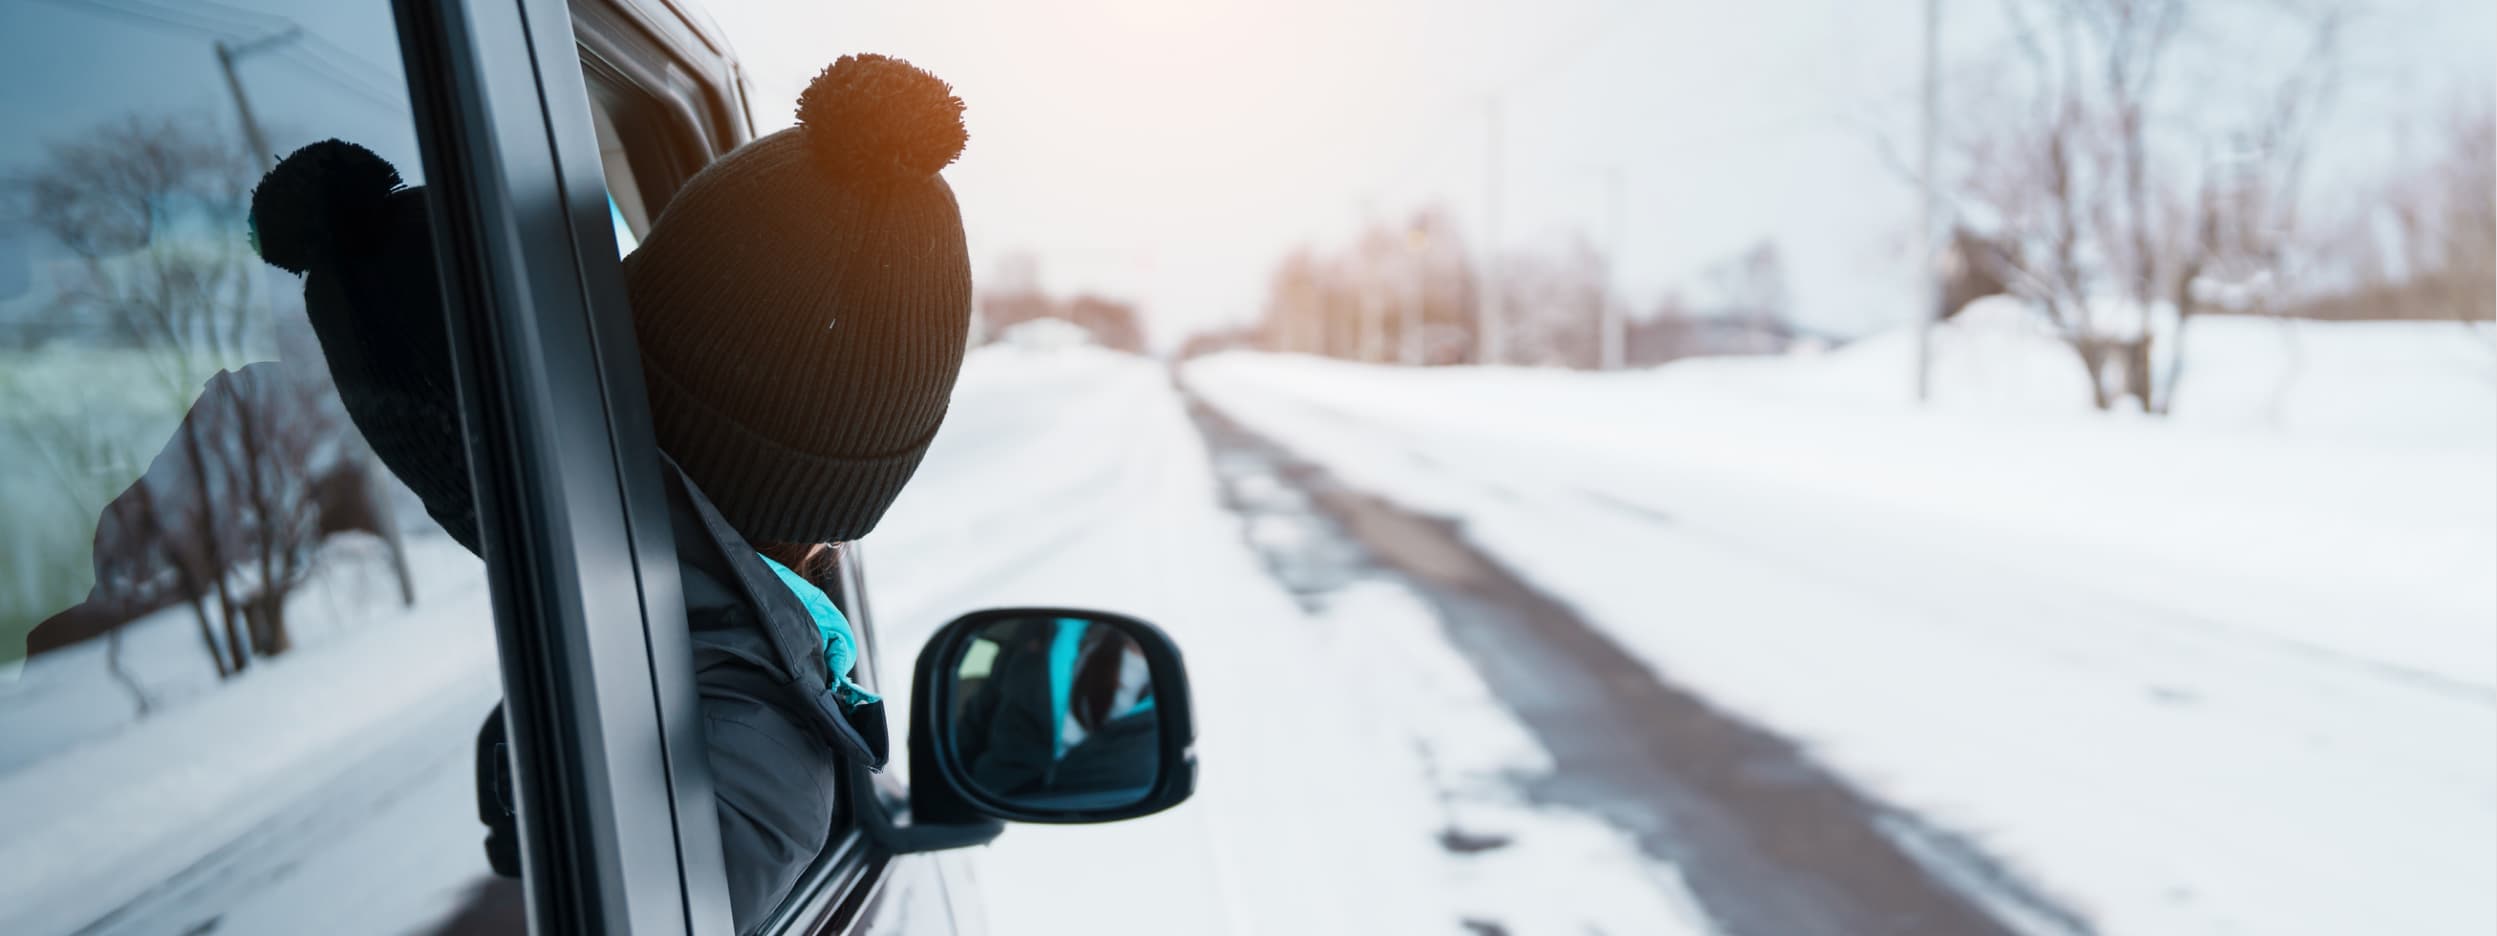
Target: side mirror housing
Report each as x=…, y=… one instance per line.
x=1053, y=715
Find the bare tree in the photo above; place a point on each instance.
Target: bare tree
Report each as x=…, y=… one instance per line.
x=1406, y=286
x=1441, y=269
x=1553, y=303
x=2080, y=183
x=1291, y=318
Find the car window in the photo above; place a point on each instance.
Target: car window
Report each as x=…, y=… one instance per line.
x=242, y=669
x=645, y=149
x=624, y=193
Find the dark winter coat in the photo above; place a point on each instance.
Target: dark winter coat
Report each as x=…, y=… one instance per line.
x=778, y=738
x=779, y=735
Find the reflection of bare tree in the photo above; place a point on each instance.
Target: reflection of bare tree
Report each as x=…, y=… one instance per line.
x=267, y=426
x=117, y=200
x=227, y=516
x=138, y=204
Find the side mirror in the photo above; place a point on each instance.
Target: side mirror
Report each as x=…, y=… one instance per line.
x=1049, y=715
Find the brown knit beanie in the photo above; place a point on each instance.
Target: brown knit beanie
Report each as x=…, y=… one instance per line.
x=803, y=305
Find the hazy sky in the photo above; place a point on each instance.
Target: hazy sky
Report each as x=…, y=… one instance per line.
x=1170, y=152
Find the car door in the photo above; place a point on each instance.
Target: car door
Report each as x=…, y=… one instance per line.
x=251, y=671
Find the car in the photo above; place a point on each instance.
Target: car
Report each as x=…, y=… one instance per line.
x=252, y=676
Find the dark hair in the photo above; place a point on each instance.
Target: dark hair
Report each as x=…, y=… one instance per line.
x=813, y=562
x=1096, y=678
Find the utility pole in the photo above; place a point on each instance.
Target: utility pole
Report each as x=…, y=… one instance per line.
x=1610, y=325
x=1926, y=268
x=227, y=55
x=1487, y=330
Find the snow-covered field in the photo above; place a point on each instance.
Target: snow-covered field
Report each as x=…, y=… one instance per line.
x=2229, y=672
x=2234, y=672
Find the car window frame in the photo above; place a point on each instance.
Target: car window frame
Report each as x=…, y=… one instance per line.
x=618, y=827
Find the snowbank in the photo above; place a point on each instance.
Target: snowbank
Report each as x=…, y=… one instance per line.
x=2411, y=383
x=1996, y=356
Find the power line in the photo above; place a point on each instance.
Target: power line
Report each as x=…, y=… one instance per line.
x=349, y=60
x=322, y=61
x=142, y=16
x=342, y=80
x=231, y=11
x=172, y=14
x=1458, y=114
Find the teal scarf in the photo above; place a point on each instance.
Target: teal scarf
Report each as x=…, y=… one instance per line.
x=840, y=646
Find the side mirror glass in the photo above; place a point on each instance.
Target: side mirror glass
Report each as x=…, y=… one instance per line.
x=1055, y=715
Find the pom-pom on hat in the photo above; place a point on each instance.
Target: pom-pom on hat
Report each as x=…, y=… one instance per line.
x=803, y=304
x=870, y=117
x=326, y=200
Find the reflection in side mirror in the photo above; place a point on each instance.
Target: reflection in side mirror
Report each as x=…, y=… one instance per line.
x=1052, y=715
x=1056, y=714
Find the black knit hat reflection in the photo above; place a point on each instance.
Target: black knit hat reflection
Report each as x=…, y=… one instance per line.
x=802, y=306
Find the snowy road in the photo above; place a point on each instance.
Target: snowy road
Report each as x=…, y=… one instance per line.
x=2159, y=743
